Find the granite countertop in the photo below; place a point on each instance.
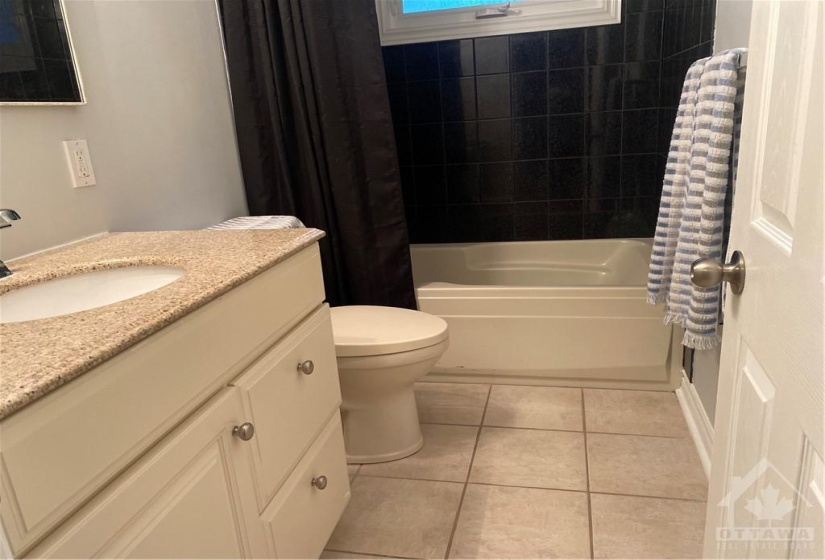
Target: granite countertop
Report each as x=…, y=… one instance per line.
x=38, y=356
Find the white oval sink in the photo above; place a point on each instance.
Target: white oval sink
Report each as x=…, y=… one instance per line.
x=80, y=292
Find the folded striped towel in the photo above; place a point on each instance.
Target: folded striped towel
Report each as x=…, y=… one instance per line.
x=692, y=211
x=260, y=222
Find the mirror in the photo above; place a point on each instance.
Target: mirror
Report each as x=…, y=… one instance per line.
x=36, y=62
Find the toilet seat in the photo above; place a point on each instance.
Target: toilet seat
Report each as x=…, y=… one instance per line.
x=366, y=330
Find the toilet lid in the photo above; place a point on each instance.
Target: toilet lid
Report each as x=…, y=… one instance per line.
x=367, y=330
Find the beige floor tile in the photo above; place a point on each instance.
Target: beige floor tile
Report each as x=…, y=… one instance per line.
x=630, y=527
x=398, y=517
x=451, y=403
x=547, y=408
x=446, y=455
x=535, y=458
x=651, y=413
x=353, y=469
x=501, y=522
x=645, y=466
x=335, y=555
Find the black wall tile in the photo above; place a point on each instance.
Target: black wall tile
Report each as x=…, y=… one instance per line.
x=565, y=91
x=458, y=99
x=603, y=176
x=427, y=144
x=421, y=61
x=493, y=96
x=567, y=178
x=462, y=184
x=565, y=48
x=528, y=51
x=530, y=138
x=394, y=64
x=604, y=44
x=585, y=113
x=643, y=36
x=603, y=133
x=530, y=180
x=495, y=140
x=461, y=142
x=424, y=101
x=604, y=88
x=496, y=182
x=530, y=221
x=430, y=185
x=529, y=94
x=398, y=102
x=456, y=58
x=565, y=136
x=637, y=131
x=641, y=84
x=641, y=175
x=492, y=55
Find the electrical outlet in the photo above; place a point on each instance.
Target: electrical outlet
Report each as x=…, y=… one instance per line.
x=80, y=163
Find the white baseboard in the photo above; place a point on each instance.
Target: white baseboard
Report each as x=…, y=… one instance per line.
x=697, y=420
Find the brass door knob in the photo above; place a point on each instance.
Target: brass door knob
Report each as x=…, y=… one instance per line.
x=319, y=482
x=708, y=273
x=306, y=367
x=244, y=432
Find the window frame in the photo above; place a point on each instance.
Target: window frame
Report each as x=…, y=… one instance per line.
x=397, y=28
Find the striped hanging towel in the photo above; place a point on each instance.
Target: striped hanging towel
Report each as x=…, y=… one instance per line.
x=692, y=211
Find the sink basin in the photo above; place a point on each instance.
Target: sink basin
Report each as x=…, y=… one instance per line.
x=80, y=292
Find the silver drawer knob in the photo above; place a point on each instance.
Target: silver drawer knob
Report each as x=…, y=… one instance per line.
x=319, y=482
x=306, y=367
x=244, y=432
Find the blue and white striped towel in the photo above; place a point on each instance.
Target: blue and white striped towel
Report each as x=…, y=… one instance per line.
x=260, y=222
x=692, y=211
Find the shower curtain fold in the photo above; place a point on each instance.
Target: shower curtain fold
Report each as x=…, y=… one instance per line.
x=315, y=137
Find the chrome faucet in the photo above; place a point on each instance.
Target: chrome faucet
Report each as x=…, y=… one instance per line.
x=6, y=217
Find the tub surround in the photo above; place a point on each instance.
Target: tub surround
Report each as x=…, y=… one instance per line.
x=40, y=356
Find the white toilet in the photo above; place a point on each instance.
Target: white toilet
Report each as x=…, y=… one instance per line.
x=382, y=352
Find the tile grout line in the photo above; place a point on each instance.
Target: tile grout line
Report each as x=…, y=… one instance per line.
x=687, y=436
x=587, y=479
x=467, y=479
x=603, y=493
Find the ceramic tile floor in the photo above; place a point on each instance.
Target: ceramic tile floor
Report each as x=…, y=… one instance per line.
x=532, y=472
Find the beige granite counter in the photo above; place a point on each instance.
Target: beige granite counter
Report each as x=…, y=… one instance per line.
x=38, y=356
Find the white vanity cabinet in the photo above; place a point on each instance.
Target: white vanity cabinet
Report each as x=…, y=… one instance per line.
x=219, y=436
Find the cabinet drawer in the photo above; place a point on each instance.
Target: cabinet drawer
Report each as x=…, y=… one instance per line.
x=302, y=516
x=287, y=406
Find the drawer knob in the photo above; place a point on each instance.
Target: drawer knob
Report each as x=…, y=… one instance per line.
x=319, y=482
x=244, y=432
x=306, y=367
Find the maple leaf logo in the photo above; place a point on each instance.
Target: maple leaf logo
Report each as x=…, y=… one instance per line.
x=768, y=506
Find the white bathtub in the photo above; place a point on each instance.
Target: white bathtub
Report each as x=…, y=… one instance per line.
x=569, y=313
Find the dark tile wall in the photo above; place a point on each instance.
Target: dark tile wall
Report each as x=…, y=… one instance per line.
x=549, y=135
x=687, y=36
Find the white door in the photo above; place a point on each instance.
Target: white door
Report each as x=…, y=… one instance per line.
x=766, y=489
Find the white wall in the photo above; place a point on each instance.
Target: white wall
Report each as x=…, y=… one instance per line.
x=733, y=22
x=158, y=122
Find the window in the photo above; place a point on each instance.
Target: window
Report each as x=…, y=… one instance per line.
x=415, y=21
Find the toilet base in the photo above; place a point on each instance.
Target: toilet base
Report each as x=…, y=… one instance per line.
x=378, y=409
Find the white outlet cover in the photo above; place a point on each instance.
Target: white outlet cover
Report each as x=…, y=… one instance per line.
x=80, y=163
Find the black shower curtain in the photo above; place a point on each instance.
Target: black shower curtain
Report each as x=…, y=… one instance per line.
x=316, y=140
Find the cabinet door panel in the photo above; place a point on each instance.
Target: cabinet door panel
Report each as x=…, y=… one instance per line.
x=189, y=497
x=289, y=408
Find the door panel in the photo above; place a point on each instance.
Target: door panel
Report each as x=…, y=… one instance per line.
x=766, y=483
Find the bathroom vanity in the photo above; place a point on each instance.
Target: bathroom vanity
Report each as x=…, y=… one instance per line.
x=198, y=420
